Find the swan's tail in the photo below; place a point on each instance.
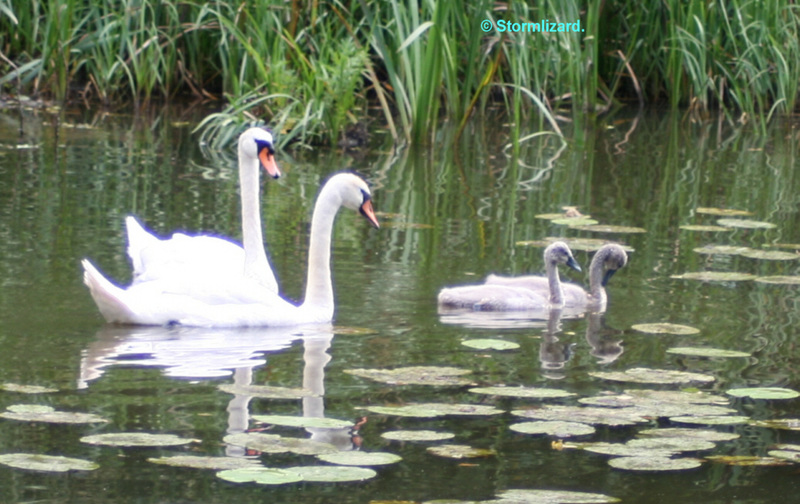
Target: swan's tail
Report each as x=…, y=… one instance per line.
x=138, y=239
x=107, y=296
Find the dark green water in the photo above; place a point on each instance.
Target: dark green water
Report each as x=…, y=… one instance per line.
x=451, y=216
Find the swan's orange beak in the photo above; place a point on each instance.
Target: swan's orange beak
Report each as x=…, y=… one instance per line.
x=367, y=211
x=268, y=162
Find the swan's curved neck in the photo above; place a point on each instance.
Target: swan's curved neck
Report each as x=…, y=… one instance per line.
x=554, y=281
x=319, y=286
x=256, y=264
x=596, y=290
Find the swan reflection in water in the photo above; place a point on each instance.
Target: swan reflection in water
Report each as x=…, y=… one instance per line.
x=206, y=353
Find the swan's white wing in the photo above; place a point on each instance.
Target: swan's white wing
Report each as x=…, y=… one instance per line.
x=574, y=294
x=492, y=298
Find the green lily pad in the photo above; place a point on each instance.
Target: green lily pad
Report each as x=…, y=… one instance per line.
x=704, y=228
x=27, y=389
x=526, y=392
x=662, y=403
x=360, y=458
x=353, y=331
x=560, y=429
x=723, y=212
x=792, y=455
x=654, y=463
x=622, y=450
x=431, y=410
x=605, y=228
x=715, y=276
x=747, y=460
x=333, y=474
x=782, y=423
x=520, y=496
x=46, y=463
x=304, y=422
x=665, y=328
x=711, y=419
x=415, y=375
x=769, y=255
x=721, y=249
x=417, y=435
x=532, y=243
x=745, y=224
x=459, y=451
x=550, y=216
x=646, y=375
x=197, y=462
x=271, y=443
x=779, y=280
x=130, y=439
x=588, y=415
x=682, y=432
x=266, y=392
x=582, y=244
x=764, y=393
x=706, y=352
x=260, y=475
x=677, y=444
x=490, y=344
x=575, y=221
x=40, y=413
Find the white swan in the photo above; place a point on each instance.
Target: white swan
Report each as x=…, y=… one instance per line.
x=238, y=301
x=154, y=258
x=606, y=261
x=502, y=297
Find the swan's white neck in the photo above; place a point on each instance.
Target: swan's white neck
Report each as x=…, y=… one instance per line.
x=256, y=264
x=319, y=285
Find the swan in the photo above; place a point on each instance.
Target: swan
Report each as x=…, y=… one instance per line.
x=238, y=301
x=153, y=257
x=606, y=261
x=512, y=297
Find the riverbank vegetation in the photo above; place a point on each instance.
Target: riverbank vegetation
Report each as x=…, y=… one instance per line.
x=314, y=69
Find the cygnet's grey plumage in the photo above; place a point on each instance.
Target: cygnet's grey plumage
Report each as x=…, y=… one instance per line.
x=499, y=297
x=606, y=261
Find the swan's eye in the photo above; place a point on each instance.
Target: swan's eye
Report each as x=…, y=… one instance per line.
x=263, y=144
x=365, y=196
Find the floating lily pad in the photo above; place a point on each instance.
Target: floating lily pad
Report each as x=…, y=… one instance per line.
x=575, y=221
x=711, y=419
x=266, y=392
x=662, y=403
x=431, y=410
x=724, y=212
x=459, y=451
x=490, y=344
x=665, y=328
x=677, y=444
x=792, y=455
x=260, y=475
x=704, y=228
x=353, y=331
x=783, y=423
x=560, y=429
x=747, y=460
x=622, y=450
x=654, y=463
x=769, y=255
x=46, y=463
x=588, y=415
x=779, y=280
x=197, y=462
x=417, y=435
x=271, y=443
x=745, y=224
x=526, y=392
x=794, y=246
x=333, y=474
x=130, y=439
x=715, y=276
x=721, y=249
x=406, y=225
x=27, y=389
x=305, y=422
x=519, y=496
x=605, y=228
x=646, y=375
x=415, y=375
x=764, y=393
x=40, y=413
x=583, y=244
x=681, y=432
x=533, y=243
x=706, y=352
x=550, y=216
x=360, y=458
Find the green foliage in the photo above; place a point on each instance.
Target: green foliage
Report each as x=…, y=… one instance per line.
x=309, y=67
